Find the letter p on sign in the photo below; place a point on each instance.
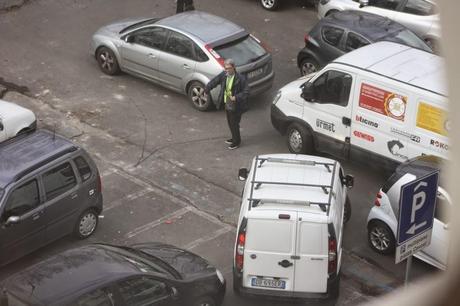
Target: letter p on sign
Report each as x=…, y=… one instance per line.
x=418, y=200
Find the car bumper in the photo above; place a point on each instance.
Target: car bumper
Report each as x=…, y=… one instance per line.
x=261, y=85
x=331, y=293
x=279, y=120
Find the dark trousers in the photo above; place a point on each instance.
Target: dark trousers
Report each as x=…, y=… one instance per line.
x=233, y=119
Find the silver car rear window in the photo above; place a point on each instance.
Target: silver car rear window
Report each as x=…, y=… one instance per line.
x=242, y=51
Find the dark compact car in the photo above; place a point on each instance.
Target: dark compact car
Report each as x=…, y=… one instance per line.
x=105, y=275
x=345, y=31
x=49, y=187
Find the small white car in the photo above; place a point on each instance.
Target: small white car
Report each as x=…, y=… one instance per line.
x=14, y=120
x=290, y=228
x=382, y=221
x=420, y=16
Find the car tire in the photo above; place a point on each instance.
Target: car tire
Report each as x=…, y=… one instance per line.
x=330, y=12
x=107, y=61
x=347, y=210
x=270, y=5
x=299, y=139
x=205, y=301
x=380, y=237
x=308, y=65
x=196, y=96
x=86, y=224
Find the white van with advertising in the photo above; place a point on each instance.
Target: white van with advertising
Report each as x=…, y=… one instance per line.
x=384, y=102
x=290, y=228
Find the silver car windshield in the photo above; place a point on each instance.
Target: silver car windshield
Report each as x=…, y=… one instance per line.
x=243, y=51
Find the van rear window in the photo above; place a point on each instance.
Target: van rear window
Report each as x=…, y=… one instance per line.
x=242, y=51
x=278, y=231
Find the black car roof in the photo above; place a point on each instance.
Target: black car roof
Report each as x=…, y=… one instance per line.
x=369, y=25
x=23, y=154
x=70, y=273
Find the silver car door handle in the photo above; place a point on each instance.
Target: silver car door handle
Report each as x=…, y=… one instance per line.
x=186, y=66
x=151, y=55
x=36, y=216
x=73, y=196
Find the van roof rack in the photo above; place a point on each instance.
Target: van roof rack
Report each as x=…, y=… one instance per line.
x=327, y=189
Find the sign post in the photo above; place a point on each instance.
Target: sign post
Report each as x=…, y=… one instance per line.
x=416, y=214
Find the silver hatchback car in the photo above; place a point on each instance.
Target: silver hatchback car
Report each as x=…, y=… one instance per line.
x=183, y=52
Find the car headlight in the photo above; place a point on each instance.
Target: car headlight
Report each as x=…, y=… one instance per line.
x=220, y=276
x=277, y=97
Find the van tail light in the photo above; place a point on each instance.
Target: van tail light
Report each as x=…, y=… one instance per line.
x=377, y=199
x=239, y=254
x=99, y=183
x=216, y=55
x=332, y=266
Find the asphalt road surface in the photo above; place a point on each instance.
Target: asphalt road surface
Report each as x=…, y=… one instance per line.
x=167, y=173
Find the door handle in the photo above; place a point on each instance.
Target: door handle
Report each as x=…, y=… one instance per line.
x=185, y=66
x=285, y=263
x=346, y=121
x=73, y=196
x=295, y=257
x=36, y=216
x=151, y=55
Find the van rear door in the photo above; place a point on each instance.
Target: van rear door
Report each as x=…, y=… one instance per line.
x=311, y=266
x=270, y=243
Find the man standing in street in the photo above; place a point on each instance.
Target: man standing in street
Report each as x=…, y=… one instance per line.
x=184, y=5
x=234, y=93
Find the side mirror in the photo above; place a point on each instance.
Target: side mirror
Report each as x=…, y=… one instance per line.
x=174, y=293
x=349, y=181
x=243, y=174
x=363, y=3
x=308, y=92
x=12, y=220
x=129, y=38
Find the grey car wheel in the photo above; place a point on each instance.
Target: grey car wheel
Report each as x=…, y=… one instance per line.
x=86, y=224
x=381, y=238
x=107, y=61
x=197, y=97
x=270, y=5
x=308, y=65
x=299, y=139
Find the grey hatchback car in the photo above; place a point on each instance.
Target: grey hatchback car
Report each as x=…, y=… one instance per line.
x=49, y=187
x=183, y=52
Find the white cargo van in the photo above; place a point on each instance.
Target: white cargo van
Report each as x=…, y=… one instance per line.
x=384, y=102
x=290, y=227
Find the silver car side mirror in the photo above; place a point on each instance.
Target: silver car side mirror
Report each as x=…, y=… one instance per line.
x=12, y=220
x=363, y=3
x=129, y=38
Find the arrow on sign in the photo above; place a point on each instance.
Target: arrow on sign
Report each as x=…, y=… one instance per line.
x=415, y=227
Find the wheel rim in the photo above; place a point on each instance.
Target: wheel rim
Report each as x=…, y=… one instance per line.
x=107, y=61
x=87, y=224
x=268, y=3
x=295, y=140
x=380, y=239
x=198, y=97
x=308, y=68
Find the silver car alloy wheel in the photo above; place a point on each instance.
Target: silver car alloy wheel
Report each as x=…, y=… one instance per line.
x=295, y=140
x=198, y=97
x=107, y=61
x=308, y=68
x=87, y=224
x=268, y=3
x=379, y=238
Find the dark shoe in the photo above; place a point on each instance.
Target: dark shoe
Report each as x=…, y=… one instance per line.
x=233, y=146
x=229, y=141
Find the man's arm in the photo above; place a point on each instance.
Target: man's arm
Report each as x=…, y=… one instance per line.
x=214, y=82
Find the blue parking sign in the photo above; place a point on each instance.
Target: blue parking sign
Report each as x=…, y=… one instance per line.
x=416, y=207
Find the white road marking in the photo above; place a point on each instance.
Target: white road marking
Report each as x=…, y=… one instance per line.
x=207, y=238
x=128, y=197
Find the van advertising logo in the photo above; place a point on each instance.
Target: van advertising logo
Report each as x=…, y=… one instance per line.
x=395, y=146
x=364, y=136
x=412, y=137
x=383, y=102
x=439, y=144
x=325, y=125
x=366, y=121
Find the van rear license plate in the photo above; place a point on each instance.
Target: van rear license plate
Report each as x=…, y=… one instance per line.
x=255, y=73
x=267, y=282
